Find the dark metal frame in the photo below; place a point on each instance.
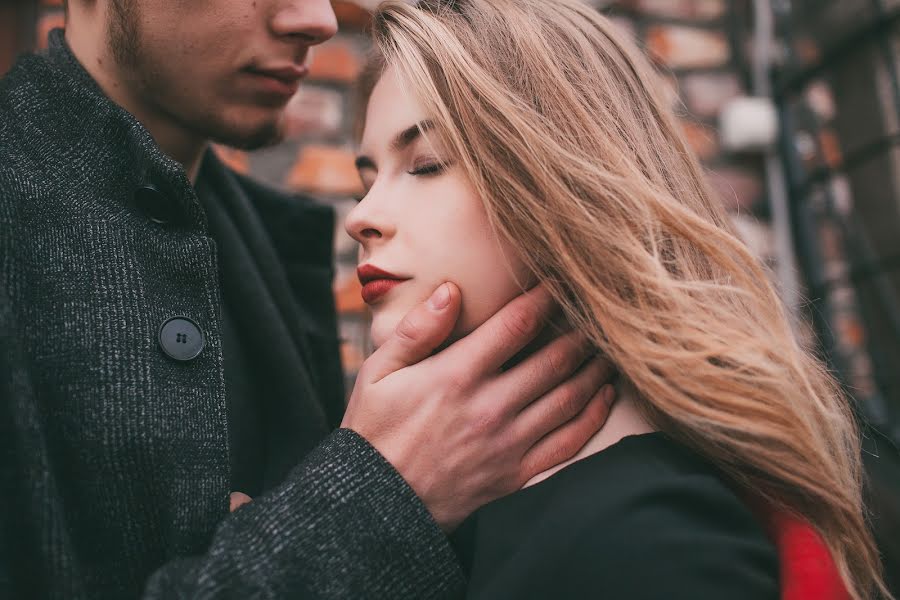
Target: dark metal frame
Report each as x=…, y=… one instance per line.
x=864, y=266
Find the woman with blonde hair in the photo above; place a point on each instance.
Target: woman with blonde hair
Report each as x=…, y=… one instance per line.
x=508, y=143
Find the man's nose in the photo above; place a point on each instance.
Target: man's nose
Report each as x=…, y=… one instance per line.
x=312, y=21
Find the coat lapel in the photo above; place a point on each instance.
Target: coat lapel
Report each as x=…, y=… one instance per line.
x=270, y=320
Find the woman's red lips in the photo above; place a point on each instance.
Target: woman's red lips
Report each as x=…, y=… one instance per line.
x=376, y=282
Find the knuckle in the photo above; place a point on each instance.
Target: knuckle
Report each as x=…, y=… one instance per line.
x=485, y=422
x=569, y=401
x=456, y=384
x=556, y=454
x=409, y=330
x=453, y=374
x=555, y=362
x=522, y=322
x=565, y=359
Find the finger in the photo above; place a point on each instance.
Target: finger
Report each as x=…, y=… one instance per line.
x=565, y=441
x=423, y=329
x=562, y=403
x=238, y=499
x=547, y=368
x=505, y=334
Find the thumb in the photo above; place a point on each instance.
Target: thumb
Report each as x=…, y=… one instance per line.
x=422, y=330
x=238, y=499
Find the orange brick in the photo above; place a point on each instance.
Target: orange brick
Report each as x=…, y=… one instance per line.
x=850, y=330
x=335, y=60
x=233, y=158
x=314, y=110
x=46, y=23
x=681, y=47
x=807, y=49
x=325, y=170
x=701, y=138
x=682, y=9
x=351, y=16
x=347, y=295
x=831, y=148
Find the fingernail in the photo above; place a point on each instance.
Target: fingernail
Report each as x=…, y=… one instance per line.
x=440, y=298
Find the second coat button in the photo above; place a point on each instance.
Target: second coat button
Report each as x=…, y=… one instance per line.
x=181, y=338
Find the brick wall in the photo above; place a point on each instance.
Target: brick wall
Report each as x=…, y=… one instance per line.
x=687, y=39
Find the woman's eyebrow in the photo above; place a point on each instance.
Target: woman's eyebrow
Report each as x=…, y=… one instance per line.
x=401, y=141
x=410, y=134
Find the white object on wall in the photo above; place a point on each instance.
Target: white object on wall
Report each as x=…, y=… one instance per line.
x=748, y=124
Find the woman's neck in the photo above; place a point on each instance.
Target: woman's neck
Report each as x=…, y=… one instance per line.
x=625, y=419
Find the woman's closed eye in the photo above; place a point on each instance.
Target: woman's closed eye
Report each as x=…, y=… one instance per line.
x=428, y=167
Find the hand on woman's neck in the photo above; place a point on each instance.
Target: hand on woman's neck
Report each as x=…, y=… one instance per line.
x=624, y=419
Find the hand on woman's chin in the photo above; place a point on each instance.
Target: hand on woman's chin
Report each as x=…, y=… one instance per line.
x=385, y=318
x=385, y=321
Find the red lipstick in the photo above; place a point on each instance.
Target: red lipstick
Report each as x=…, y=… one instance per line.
x=376, y=282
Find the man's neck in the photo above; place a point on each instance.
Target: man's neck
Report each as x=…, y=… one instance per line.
x=177, y=142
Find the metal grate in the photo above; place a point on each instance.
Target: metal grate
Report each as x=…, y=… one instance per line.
x=838, y=94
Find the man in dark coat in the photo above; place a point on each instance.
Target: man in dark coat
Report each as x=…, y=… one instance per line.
x=167, y=337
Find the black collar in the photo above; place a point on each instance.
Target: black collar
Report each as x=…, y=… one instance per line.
x=71, y=92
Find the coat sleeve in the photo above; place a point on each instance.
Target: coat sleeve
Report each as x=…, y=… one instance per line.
x=344, y=525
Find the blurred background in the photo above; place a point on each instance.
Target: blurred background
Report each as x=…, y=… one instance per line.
x=792, y=105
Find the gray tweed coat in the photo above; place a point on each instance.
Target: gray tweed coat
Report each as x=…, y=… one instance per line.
x=114, y=471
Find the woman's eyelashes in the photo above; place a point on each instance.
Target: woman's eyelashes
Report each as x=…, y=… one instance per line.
x=428, y=166
x=424, y=167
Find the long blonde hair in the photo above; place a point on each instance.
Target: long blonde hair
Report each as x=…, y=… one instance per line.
x=561, y=127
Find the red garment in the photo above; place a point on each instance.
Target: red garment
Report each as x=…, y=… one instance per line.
x=806, y=568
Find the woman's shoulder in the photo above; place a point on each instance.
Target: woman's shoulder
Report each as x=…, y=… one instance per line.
x=643, y=518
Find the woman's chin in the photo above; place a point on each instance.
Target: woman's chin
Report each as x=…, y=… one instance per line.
x=382, y=329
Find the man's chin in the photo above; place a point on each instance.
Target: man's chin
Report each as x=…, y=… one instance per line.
x=246, y=129
x=250, y=140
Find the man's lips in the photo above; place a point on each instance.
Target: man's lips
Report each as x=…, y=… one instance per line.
x=282, y=81
x=377, y=282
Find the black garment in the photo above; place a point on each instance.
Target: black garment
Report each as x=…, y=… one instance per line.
x=114, y=468
x=643, y=519
x=269, y=429
x=243, y=373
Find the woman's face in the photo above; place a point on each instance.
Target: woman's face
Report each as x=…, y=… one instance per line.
x=421, y=222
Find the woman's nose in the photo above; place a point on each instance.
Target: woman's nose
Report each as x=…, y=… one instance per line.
x=365, y=225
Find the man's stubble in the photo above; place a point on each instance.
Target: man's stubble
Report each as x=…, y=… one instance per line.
x=125, y=42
